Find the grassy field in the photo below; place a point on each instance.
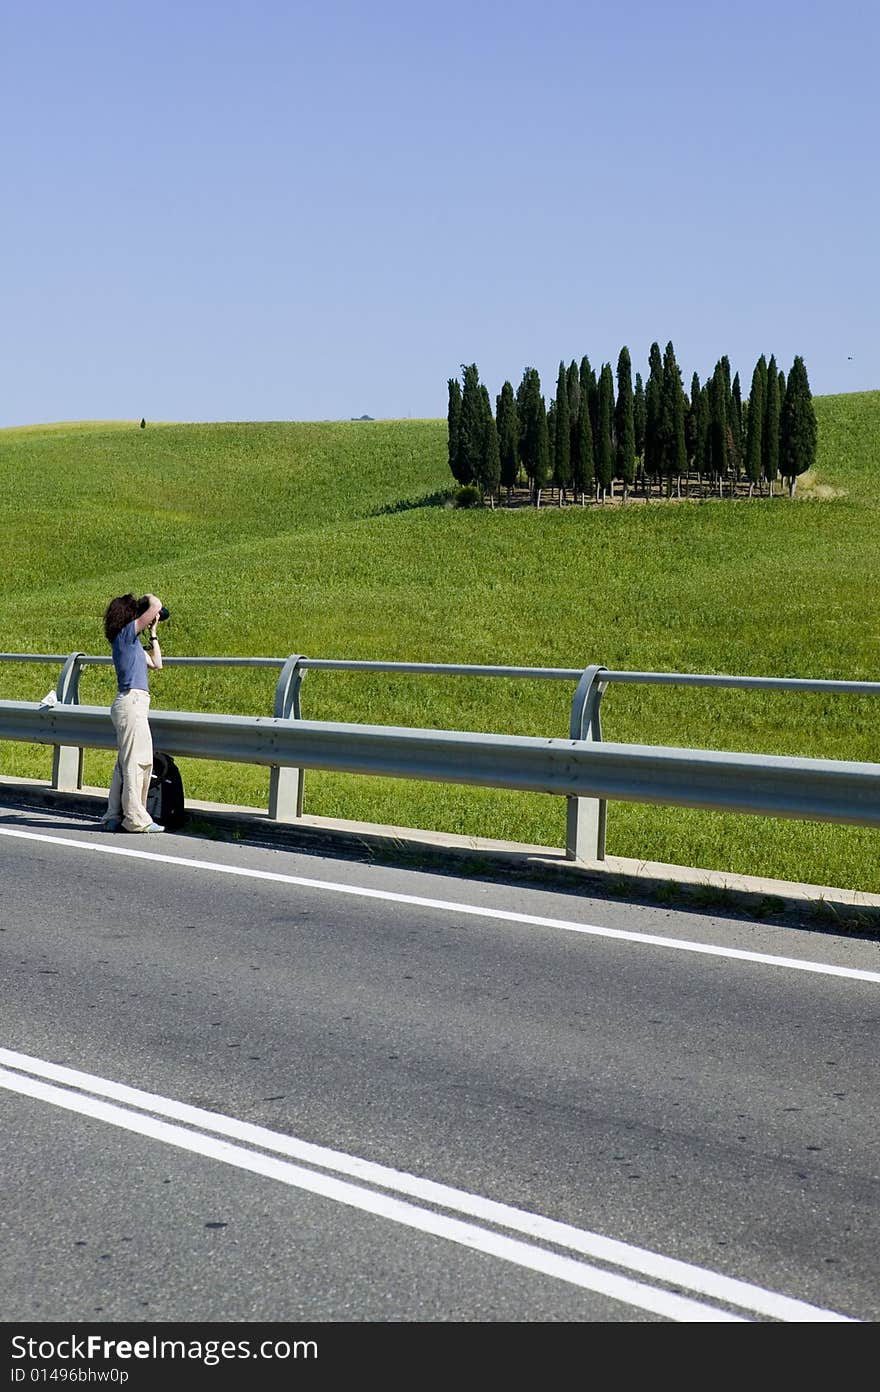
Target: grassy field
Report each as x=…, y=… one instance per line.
x=331, y=539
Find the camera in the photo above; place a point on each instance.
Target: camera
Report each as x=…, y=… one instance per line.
x=143, y=606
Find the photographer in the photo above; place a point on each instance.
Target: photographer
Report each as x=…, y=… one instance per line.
x=125, y=619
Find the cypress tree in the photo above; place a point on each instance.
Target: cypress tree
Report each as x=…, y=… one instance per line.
x=639, y=417
x=653, y=406
x=691, y=422
x=583, y=461
x=574, y=406
x=772, y=411
x=717, y=452
x=574, y=393
x=604, y=445
x=490, y=458
x=551, y=432
x=624, y=423
x=762, y=366
x=701, y=458
x=473, y=427
x=521, y=401
x=531, y=411
x=728, y=389
x=562, y=435
x=523, y=414
x=586, y=375
x=508, y=438
x=798, y=427
x=590, y=388
x=542, y=449
x=755, y=429
x=453, y=417
x=736, y=426
x=673, y=450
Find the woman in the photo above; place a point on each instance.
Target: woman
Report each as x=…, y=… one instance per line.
x=125, y=619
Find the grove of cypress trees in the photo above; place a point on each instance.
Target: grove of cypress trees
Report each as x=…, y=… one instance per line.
x=604, y=444
x=562, y=436
x=508, y=438
x=453, y=417
x=624, y=423
x=772, y=411
x=755, y=428
x=798, y=427
x=590, y=436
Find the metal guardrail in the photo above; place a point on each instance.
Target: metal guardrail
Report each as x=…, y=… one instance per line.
x=763, y=784
x=584, y=769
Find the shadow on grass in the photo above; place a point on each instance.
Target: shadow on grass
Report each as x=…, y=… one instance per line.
x=441, y=498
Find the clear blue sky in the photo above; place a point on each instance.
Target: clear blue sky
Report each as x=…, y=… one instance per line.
x=306, y=211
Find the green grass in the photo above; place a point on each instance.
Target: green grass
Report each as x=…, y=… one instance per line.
x=329, y=539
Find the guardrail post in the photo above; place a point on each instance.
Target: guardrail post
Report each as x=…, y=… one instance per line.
x=286, y=784
x=585, y=818
x=67, y=761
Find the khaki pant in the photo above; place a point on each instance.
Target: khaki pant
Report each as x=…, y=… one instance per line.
x=134, y=764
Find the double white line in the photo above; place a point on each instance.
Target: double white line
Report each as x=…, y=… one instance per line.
x=257, y=1149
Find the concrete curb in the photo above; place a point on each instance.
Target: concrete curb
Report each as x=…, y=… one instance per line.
x=816, y=906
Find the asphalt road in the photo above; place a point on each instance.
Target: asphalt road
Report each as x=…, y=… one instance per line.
x=245, y=1084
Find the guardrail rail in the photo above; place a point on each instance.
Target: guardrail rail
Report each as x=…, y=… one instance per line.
x=584, y=768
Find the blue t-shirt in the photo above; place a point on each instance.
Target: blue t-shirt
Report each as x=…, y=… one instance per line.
x=130, y=660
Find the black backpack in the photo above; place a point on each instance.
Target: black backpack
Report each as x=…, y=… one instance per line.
x=165, y=797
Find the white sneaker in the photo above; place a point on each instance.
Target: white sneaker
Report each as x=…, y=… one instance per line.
x=154, y=826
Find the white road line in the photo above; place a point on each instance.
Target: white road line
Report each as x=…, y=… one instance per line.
x=607, y=1283
x=673, y=1272
x=448, y=906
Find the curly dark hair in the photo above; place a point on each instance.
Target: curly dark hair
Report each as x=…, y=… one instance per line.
x=119, y=612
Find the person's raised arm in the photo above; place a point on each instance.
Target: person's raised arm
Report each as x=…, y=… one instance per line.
x=149, y=616
x=154, y=652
